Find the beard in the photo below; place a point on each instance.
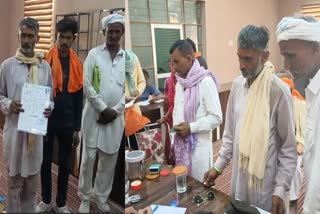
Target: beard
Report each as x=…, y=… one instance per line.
x=252, y=74
x=26, y=49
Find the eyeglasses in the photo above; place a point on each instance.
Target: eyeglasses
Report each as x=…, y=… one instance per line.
x=199, y=199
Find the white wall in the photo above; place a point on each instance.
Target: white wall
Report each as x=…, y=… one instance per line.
x=11, y=13
x=224, y=20
x=71, y=6
x=4, y=36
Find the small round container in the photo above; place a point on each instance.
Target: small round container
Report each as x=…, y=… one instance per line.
x=136, y=185
x=164, y=172
x=135, y=165
x=181, y=178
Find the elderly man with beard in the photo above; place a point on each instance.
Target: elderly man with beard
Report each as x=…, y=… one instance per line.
x=259, y=131
x=22, y=151
x=103, y=114
x=299, y=39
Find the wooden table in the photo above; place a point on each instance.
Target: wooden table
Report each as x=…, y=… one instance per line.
x=162, y=191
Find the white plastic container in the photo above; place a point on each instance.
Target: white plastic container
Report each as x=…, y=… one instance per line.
x=135, y=165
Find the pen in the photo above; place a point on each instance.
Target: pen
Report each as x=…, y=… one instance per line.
x=155, y=208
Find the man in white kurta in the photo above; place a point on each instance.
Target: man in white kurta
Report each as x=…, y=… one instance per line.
x=208, y=115
x=103, y=115
x=299, y=39
x=23, y=164
x=269, y=191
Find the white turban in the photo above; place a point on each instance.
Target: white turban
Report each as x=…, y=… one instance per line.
x=112, y=18
x=297, y=28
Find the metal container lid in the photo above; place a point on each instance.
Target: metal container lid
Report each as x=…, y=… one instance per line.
x=135, y=156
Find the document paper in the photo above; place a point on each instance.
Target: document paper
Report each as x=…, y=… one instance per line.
x=34, y=99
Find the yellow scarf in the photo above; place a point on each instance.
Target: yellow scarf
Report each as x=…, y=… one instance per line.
x=33, y=62
x=255, y=128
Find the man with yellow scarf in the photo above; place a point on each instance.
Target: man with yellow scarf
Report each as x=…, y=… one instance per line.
x=259, y=133
x=22, y=151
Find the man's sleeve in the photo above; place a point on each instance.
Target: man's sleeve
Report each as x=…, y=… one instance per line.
x=226, y=150
x=141, y=82
x=120, y=106
x=209, y=95
x=92, y=96
x=287, y=158
x=50, y=84
x=5, y=102
x=78, y=105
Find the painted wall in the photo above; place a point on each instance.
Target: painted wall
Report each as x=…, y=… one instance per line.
x=224, y=20
x=11, y=13
x=4, y=38
x=71, y=6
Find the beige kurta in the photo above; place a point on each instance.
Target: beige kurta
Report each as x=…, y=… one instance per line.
x=14, y=73
x=140, y=84
x=282, y=153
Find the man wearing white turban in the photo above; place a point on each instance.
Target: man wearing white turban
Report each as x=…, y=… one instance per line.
x=103, y=114
x=299, y=39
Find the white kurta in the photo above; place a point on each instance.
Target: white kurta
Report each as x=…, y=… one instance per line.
x=282, y=153
x=112, y=80
x=311, y=156
x=209, y=117
x=14, y=73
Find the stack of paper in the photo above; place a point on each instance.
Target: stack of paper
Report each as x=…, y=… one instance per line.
x=160, y=209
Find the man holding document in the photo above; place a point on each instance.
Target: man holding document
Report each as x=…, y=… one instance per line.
x=22, y=150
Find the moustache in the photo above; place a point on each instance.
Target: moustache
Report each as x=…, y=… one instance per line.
x=64, y=46
x=26, y=46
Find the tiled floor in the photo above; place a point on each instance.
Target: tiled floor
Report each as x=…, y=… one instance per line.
x=73, y=201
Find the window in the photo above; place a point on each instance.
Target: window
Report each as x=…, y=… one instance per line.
x=144, y=14
x=311, y=10
x=42, y=11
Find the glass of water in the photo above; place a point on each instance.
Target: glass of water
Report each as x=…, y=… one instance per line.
x=127, y=185
x=181, y=178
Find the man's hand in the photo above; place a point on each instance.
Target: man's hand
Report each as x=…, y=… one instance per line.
x=75, y=139
x=210, y=177
x=161, y=121
x=182, y=129
x=130, y=210
x=135, y=93
x=300, y=148
x=108, y=115
x=277, y=205
x=16, y=107
x=128, y=99
x=146, y=210
x=47, y=112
